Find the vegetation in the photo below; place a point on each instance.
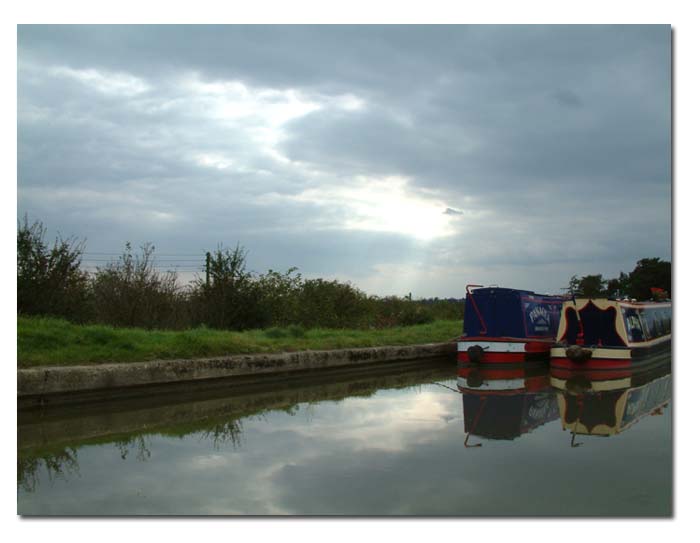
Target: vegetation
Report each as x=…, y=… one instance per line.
x=130, y=311
x=131, y=292
x=43, y=341
x=650, y=278
x=49, y=280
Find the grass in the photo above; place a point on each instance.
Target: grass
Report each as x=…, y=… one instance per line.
x=56, y=342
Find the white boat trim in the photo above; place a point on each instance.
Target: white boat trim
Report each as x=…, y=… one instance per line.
x=498, y=384
x=596, y=386
x=598, y=352
x=493, y=346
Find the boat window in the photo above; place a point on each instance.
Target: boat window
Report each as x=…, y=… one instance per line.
x=653, y=322
x=633, y=324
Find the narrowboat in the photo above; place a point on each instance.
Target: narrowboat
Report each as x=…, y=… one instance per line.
x=505, y=403
x=607, y=334
x=594, y=403
x=505, y=325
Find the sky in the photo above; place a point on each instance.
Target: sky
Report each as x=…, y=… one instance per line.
x=399, y=158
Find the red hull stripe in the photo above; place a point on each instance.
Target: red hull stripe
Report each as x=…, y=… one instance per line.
x=493, y=374
x=593, y=375
x=501, y=358
x=593, y=363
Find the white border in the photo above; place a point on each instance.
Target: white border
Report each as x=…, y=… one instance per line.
x=686, y=90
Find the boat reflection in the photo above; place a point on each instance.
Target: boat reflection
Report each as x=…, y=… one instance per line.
x=505, y=402
x=605, y=403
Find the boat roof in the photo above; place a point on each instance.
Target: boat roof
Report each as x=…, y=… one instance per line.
x=625, y=302
x=515, y=290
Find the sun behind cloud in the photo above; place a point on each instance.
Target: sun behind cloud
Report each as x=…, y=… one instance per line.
x=384, y=204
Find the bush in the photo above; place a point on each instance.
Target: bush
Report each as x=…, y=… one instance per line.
x=331, y=304
x=131, y=292
x=296, y=331
x=275, y=333
x=279, y=297
x=49, y=280
x=650, y=273
x=229, y=296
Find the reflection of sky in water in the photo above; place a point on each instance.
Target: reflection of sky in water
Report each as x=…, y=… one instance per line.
x=396, y=452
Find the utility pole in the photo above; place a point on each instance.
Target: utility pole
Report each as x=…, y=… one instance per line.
x=208, y=266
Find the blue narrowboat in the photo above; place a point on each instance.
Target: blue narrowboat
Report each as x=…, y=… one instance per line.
x=505, y=325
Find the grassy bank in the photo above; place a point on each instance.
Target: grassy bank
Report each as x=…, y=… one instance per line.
x=56, y=342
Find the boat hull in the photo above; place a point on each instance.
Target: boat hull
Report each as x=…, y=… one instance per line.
x=611, y=358
x=502, y=350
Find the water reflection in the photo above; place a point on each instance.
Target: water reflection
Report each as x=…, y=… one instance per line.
x=54, y=463
x=506, y=402
x=48, y=441
x=389, y=443
x=607, y=403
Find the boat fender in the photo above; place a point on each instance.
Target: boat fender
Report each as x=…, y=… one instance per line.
x=475, y=353
x=578, y=384
x=475, y=379
x=578, y=354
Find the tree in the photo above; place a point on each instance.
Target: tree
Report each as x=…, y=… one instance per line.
x=618, y=287
x=649, y=273
x=589, y=286
x=49, y=279
x=132, y=292
x=229, y=298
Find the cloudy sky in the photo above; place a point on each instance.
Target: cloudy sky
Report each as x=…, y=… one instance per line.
x=402, y=159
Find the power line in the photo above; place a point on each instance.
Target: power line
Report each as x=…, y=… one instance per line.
x=156, y=261
x=161, y=254
x=157, y=267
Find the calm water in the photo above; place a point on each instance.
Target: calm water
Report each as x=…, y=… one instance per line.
x=392, y=443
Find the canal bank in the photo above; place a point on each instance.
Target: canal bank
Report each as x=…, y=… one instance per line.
x=68, y=384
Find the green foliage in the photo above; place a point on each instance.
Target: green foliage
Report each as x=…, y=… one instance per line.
x=275, y=332
x=131, y=292
x=279, y=297
x=296, y=331
x=331, y=304
x=649, y=273
x=618, y=287
x=50, y=341
x=228, y=296
x=395, y=311
x=588, y=286
x=49, y=279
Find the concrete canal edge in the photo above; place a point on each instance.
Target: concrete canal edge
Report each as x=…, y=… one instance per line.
x=35, y=383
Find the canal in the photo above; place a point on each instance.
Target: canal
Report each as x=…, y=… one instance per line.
x=424, y=438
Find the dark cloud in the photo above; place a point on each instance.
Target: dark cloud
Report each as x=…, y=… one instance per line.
x=551, y=143
x=568, y=98
x=450, y=211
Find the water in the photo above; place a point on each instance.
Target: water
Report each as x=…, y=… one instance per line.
x=390, y=443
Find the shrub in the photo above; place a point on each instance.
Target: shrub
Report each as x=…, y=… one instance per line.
x=49, y=280
x=275, y=333
x=296, y=331
x=228, y=297
x=131, y=292
x=331, y=304
x=279, y=297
